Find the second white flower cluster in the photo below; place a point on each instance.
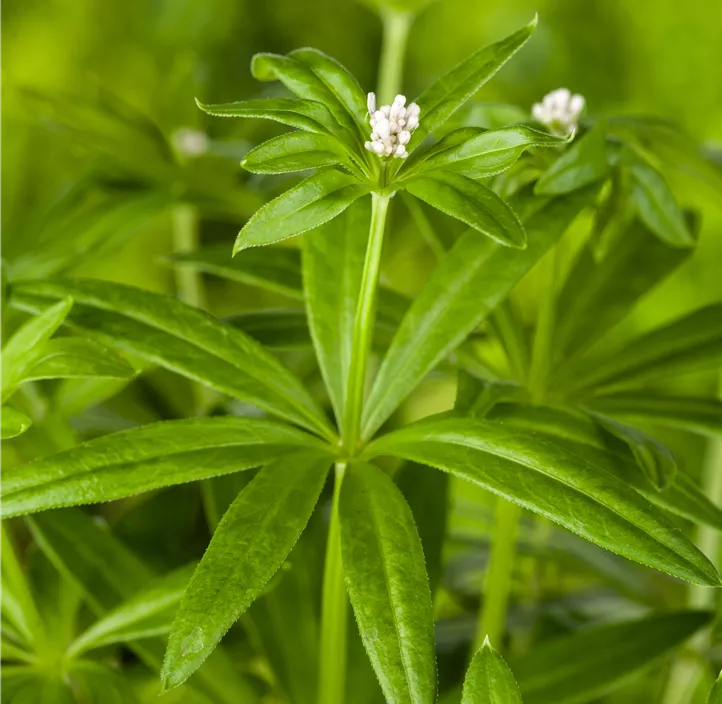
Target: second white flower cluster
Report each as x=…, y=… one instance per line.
x=391, y=126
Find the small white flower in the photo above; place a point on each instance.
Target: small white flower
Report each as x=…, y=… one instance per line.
x=559, y=111
x=190, y=142
x=391, y=126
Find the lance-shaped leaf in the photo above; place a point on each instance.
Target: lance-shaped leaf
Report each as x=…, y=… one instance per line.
x=307, y=115
x=74, y=357
x=311, y=203
x=383, y=563
x=586, y=162
x=489, y=679
x=683, y=498
x=475, y=276
x=654, y=458
x=333, y=258
x=558, y=480
x=146, y=614
x=657, y=206
x=597, y=295
x=690, y=343
x=444, y=97
x=472, y=203
x=585, y=665
x=145, y=458
x=183, y=339
x=295, y=151
x=13, y=422
x=275, y=329
x=23, y=348
x=480, y=153
x=700, y=415
x=307, y=77
x=250, y=543
x=715, y=695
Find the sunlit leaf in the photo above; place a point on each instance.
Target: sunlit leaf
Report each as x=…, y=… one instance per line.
x=13, y=422
x=295, y=151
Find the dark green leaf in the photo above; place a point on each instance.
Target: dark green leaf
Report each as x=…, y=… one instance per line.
x=557, y=479
x=311, y=203
x=489, y=679
x=586, y=162
x=582, y=666
x=275, y=329
x=383, y=564
x=443, y=98
x=250, y=544
x=472, y=203
x=475, y=276
x=295, y=151
x=145, y=458
x=186, y=340
x=333, y=260
x=13, y=423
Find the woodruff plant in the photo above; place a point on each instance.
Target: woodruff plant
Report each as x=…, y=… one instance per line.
x=542, y=433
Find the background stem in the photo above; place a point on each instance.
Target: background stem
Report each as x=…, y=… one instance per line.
x=393, y=49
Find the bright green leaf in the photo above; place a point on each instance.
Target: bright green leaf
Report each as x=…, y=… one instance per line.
x=472, y=203
x=250, y=544
x=489, y=679
x=13, y=422
x=295, y=151
x=383, y=563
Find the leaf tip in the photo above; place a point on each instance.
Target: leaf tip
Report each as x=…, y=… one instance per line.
x=534, y=22
x=487, y=642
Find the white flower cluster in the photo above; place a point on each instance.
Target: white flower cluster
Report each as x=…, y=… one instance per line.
x=391, y=126
x=559, y=111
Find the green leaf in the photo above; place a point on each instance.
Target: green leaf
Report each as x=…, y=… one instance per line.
x=307, y=115
x=276, y=269
x=333, y=260
x=699, y=415
x=183, y=339
x=23, y=348
x=657, y=206
x=383, y=563
x=654, y=458
x=475, y=276
x=311, y=203
x=148, y=613
x=583, y=666
x=444, y=97
x=557, y=479
x=692, y=342
x=74, y=357
x=476, y=397
x=99, y=684
x=585, y=163
x=149, y=457
x=250, y=544
x=481, y=153
x=597, y=295
x=29, y=685
x=295, y=151
x=13, y=423
x=275, y=329
x=489, y=679
x=472, y=203
x=715, y=695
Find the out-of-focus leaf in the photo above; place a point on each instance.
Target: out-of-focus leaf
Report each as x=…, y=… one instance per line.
x=700, y=415
x=23, y=348
x=295, y=151
x=596, y=659
x=333, y=258
x=715, y=695
x=472, y=203
x=98, y=684
x=654, y=458
x=383, y=563
x=13, y=423
x=475, y=276
x=489, y=679
x=586, y=162
x=250, y=544
x=476, y=397
x=146, y=614
x=311, y=203
x=183, y=339
x=444, y=97
x=28, y=685
x=149, y=457
x=275, y=329
x=557, y=479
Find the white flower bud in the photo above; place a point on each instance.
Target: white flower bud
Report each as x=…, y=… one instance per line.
x=404, y=137
x=392, y=126
x=371, y=103
x=559, y=111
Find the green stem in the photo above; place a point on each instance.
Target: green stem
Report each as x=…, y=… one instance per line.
x=332, y=676
x=185, y=239
x=497, y=585
x=364, y=325
x=396, y=34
